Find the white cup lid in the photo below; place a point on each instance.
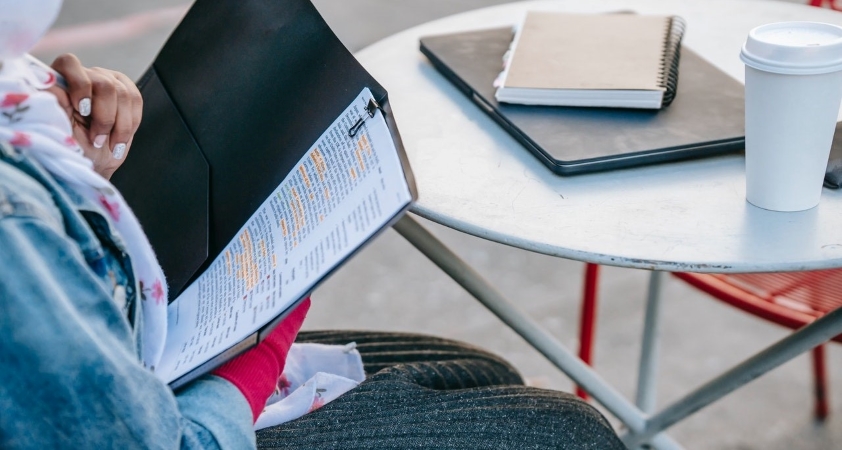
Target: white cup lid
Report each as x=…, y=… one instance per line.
x=798, y=48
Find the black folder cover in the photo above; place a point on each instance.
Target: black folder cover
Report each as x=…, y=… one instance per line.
x=240, y=90
x=705, y=118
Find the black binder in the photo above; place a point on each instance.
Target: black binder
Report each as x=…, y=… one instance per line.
x=705, y=118
x=240, y=90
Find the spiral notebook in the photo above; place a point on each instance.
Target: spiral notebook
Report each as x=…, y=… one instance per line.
x=596, y=60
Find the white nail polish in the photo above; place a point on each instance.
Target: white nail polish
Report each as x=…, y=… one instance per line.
x=99, y=141
x=119, y=151
x=85, y=107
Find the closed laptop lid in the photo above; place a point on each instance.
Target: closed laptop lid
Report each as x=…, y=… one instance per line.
x=706, y=117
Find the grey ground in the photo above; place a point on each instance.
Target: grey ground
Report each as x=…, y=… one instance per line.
x=390, y=286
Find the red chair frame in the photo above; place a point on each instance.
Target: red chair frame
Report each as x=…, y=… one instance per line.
x=830, y=4
x=789, y=299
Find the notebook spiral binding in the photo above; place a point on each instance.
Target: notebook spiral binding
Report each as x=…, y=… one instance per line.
x=668, y=78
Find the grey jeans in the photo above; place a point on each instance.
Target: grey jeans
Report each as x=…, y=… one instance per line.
x=426, y=392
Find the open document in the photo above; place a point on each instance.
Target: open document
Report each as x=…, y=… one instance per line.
x=348, y=186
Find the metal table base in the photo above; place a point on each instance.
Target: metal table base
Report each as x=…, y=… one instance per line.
x=642, y=427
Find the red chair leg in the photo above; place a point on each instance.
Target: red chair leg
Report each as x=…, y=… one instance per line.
x=588, y=319
x=830, y=4
x=820, y=377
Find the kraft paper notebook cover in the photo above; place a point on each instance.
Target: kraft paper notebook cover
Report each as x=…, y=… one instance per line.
x=705, y=118
x=593, y=60
x=266, y=158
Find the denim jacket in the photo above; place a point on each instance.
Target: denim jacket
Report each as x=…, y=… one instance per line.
x=70, y=375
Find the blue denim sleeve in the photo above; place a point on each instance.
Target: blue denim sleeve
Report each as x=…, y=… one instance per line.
x=69, y=374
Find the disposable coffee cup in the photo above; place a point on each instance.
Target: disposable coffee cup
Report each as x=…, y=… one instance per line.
x=793, y=89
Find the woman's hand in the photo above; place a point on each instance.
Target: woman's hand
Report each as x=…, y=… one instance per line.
x=104, y=108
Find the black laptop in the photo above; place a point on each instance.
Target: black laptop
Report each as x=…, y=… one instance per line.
x=706, y=118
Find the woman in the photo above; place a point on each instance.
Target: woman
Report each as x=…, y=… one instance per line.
x=83, y=304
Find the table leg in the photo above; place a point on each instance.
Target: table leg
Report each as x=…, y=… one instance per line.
x=806, y=338
x=647, y=375
x=521, y=323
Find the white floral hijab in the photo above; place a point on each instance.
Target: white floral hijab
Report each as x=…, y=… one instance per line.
x=33, y=121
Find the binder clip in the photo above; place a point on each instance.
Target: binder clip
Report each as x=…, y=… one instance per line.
x=370, y=108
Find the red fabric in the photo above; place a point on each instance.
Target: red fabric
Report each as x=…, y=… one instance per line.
x=256, y=372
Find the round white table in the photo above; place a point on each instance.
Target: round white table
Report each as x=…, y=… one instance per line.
x=686, y=216
x=689, y=216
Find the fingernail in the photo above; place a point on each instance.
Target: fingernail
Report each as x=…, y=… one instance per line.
x=99, y=141
x=119, y=151
x=85, y=107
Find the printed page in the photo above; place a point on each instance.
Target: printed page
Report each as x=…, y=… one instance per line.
x=343, y=190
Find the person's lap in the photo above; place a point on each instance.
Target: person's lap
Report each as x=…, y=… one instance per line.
x=427, y=392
